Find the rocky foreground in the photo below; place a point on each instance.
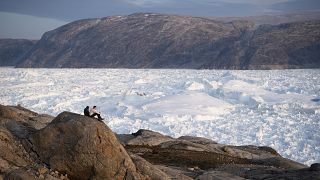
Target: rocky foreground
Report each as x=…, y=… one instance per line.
x=72, y=146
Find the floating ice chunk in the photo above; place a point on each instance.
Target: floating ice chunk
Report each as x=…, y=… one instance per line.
x=215, y=84
x=247, y=99
x=227, y=76
x=247, y=93
x=189, y=103
x=193, y=86
x=157, y=95
x=141, y=81
x=203, y=117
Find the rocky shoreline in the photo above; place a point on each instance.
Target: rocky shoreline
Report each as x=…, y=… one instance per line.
x=72, y=146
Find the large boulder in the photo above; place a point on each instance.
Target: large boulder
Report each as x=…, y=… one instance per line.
x=84, y=148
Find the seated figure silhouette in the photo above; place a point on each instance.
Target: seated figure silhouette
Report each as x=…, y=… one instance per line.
x=93, y=112
x=86, y=111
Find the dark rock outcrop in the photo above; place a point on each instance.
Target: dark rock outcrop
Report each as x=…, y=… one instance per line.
x=147, y=40
x=73, y=146
x=148, y=169
x=12, y=50
x=16, y=159
x=218, y=175
x=202, y=158
x=144, y=137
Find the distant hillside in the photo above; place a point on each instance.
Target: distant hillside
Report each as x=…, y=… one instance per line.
x=11, y=50
x=147, y=40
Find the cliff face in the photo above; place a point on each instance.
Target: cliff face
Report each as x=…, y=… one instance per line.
x=11, y=50
x=292, y=45
x=170, y=41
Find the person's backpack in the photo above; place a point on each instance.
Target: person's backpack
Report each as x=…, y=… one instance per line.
x=86, y=111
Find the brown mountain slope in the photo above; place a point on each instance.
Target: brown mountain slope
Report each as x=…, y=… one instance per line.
x=11, y=50
x=147, y=40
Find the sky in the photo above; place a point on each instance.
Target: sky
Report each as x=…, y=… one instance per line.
x=30, y=19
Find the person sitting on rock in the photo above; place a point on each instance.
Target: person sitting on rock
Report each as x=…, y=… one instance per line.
x=94, y=112
x=86, y=111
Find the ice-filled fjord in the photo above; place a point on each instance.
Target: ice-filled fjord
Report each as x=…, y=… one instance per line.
x=278, y=108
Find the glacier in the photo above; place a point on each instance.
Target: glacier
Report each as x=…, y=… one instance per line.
x=276, y=108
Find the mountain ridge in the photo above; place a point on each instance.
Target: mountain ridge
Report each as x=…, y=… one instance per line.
x=150, y=40
x=276, y=18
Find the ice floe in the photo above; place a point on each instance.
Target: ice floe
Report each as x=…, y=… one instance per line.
x=279, y=108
